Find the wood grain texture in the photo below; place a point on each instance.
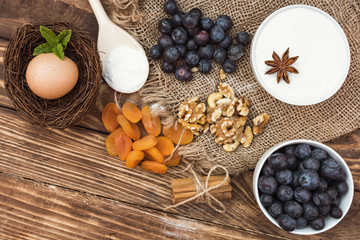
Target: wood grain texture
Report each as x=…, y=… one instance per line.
x=30, y=210
x=76, y=159
x=15, y=13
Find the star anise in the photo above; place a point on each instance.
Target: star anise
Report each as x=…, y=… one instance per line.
x=282, y=66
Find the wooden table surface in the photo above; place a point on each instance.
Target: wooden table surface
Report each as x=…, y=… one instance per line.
x=63, y=185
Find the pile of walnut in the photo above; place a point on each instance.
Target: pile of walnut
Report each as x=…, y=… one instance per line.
x=225, y=117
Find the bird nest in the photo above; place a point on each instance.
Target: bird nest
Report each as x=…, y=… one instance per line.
x=75, y=105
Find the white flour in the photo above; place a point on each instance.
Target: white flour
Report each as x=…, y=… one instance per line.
x=125, y=69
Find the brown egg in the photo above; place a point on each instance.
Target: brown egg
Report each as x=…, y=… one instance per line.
x=51, y=78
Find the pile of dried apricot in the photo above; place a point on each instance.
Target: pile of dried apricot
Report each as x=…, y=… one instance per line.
x=150, y=149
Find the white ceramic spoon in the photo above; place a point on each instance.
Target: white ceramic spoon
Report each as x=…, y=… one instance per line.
x=112, y=36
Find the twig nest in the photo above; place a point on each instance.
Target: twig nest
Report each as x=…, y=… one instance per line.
x=69, y=109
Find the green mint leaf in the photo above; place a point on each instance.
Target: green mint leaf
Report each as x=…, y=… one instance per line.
x=42, y=48
x=64, y=37
x=49, y=35
x=58, y=50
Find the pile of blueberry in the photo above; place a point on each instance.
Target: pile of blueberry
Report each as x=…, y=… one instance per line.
x=299, y=185
x=197, y=40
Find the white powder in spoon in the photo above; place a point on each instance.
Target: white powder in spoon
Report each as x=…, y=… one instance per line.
x=126, y=70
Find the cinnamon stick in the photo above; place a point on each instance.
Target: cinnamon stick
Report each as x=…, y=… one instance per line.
x=186, y=188
x=218, y=196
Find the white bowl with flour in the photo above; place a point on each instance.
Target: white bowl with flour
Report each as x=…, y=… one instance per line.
x=320, y=43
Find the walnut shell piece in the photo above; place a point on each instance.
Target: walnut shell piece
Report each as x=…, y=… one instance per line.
x=260, y=122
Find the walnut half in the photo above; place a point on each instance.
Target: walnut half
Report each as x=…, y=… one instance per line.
x=260, y=123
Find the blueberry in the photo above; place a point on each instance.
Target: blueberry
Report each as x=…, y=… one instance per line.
x=229, y=66
x=300, y=167
x=171, y=55
x=336, y=212
x=318, y=223
x=156, y=52
x=192, y=59
x=170, y=7
x=207, y=51
x=309, y=179
x=267, y=184
x=286, y=222
x=219, y=55
x=321, y=199
x=193, y=31
x=310, y=211
x=206, y=23
x=266, y=200
x=202, y=38
x=301, y=223
x=179, y=35
x=278, y=161
x=190, y=20
x=165, y=41
x=168, y=67
x=182, y=49
x=177, y=18
x=319, y=154
x=217, y=34
x=331, y=169
x=183, y=73
x=284, y=193
x=226, y=42
x=205, y=66
x=302, y=195
x=302, y=151
x=275, y=209
x=290, y=149
x=311, y=163
x=266, y=169
x=291, y=161
x=293, y=209
x=243, y=38
x=165, y=26
x=224, y=22
x=197, y=12
x=342, y=188
x=323, y=185
x=323, y=210
x=331, y=191
x=295, y=181
x=191, y=45
x=235, y=52
x=337, y=201
x=284, y=176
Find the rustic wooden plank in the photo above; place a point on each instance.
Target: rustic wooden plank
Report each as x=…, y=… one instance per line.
x=15, y=13
x=30, y=210
x=76, y=159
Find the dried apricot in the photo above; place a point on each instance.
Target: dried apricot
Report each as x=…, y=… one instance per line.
x=131, y=112
x=109, y=115
x=123, y=145
x=154, y=167
x=110, y=144
x=164, y=145
x=134, y=158
x=173, y=161
x=174, y=133
x=128, y=127
x=151, y=123
x=136, y=130
x=154, y=155
x=144, y=143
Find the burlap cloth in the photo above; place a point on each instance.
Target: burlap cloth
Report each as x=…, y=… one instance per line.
x=321, y=122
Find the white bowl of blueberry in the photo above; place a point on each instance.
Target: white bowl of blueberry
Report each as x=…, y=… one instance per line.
x=303, y=186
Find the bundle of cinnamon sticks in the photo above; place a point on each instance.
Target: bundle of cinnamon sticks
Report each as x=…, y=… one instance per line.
x=185, y=188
